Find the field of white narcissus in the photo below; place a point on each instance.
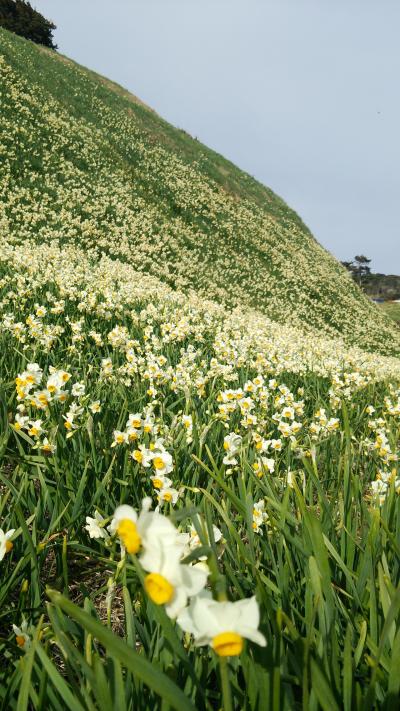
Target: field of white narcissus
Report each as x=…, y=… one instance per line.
x=197, y=505
x=199, y=501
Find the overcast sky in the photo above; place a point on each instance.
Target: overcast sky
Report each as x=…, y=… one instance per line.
x=302, y=94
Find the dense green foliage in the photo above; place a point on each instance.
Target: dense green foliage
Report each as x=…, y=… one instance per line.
x=19, y=16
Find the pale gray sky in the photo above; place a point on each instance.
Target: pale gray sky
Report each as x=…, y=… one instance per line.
x=302, y=94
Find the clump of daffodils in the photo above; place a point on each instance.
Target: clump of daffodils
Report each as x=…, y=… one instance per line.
x=161, y=547
x=170, y=582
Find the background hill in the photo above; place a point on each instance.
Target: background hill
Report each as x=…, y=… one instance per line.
x=383, y=286
x=83, y=161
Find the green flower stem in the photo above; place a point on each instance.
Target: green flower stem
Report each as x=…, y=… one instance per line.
x=225, y=684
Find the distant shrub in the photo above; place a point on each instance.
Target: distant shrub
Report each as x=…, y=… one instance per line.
x=19, y=16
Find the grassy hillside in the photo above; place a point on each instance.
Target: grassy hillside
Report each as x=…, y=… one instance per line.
x=255, y=562
x=85, y=162
x=392, y=310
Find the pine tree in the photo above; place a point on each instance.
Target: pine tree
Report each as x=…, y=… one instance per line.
x=19, y=16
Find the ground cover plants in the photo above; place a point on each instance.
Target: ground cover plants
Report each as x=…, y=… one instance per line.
x=199, y=505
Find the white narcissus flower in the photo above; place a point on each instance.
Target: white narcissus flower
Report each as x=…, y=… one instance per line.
x=35, y=428
x=135, y=421
x=168, y=495
x=78, y=389
x=232, y=443
x=187, y=422
x=259, y=515
x=222, y=625
x=261, y=464
x=5, y=543
x=142, y=455
x=169, y=582
x=94, y=526
x=22, y=637
x=162, y=460
x=332, y=424
x=47, y=447
x=288, y=413
x=119, y=438
x=136, y=531
x=21, y=421
x=160, y=482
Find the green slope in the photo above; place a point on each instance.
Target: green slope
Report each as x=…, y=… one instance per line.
x=83, y=161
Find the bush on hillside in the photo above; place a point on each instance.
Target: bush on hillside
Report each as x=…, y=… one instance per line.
x=20, y=17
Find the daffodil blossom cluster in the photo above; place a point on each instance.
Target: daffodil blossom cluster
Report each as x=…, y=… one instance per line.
x=170, y=582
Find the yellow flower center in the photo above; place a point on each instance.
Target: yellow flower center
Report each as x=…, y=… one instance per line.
x=20, y=640
x=227, y=644
x=158, y=588
x=158, y=463
x=9, y=546
x=136, y=423
x=51, y=388
x=167, y=496
x=158, y=483
x=68, y=425
x=137, y=456
x=129, y=536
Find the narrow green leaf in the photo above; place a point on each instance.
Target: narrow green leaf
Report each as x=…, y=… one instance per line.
x=141, y=668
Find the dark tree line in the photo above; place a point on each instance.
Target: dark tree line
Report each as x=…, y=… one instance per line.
x=20, y=17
